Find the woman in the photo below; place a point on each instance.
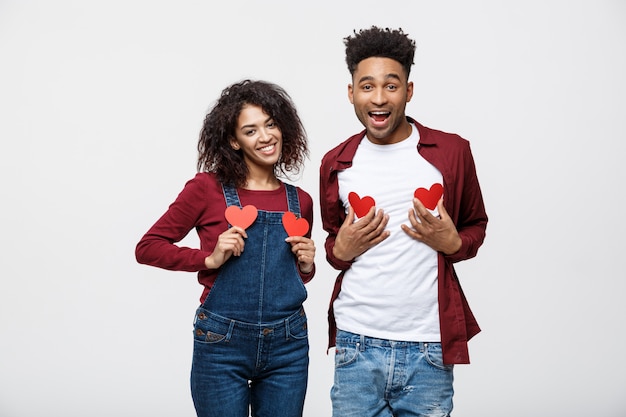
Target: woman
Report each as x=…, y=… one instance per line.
x=250, y=331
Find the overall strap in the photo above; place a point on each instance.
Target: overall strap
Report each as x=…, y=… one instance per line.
x=231, y=196
x=293, y=202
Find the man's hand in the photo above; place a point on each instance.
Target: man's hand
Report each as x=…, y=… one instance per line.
x=438, y=233
x=354, y=238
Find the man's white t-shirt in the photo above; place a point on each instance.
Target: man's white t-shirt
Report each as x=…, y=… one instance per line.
x=390, y=291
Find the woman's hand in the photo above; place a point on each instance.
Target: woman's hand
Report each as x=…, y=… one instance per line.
x=229, y=243
x=304, y=250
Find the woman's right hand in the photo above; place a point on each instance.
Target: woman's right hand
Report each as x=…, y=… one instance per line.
x=229, y=243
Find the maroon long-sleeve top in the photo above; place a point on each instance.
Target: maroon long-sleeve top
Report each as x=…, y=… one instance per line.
x=201, y=205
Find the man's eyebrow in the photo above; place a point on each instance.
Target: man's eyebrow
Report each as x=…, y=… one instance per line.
x=365, y=78
x=392, y=75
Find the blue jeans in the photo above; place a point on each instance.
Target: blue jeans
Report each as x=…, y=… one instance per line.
x=385, y=378
x=237, y=366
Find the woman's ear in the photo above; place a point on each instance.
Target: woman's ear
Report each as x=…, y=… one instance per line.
x=234, y=144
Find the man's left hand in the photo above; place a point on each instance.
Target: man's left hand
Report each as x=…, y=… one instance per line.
x=437, y=232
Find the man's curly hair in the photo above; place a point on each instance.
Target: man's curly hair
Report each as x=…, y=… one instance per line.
x=378, y=42
x=215, y=153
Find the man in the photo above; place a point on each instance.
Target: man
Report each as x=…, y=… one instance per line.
x=401, y=204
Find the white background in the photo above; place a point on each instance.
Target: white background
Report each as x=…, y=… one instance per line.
x=101, y=103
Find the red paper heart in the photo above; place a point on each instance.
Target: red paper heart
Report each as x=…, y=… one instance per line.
x=429, y=198
x=360, y=205
x=295, y=226
x=241, y=217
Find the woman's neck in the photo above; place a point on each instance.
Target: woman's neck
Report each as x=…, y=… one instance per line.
x=261, y=183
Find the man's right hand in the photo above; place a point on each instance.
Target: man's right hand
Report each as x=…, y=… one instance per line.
x=354, y=238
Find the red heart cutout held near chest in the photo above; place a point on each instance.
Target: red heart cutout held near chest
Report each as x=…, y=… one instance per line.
x=360, y=205
x=429, y=198
x=294, y=226
x=241, y=217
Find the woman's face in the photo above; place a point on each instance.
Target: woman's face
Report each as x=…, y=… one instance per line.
x=258, y=137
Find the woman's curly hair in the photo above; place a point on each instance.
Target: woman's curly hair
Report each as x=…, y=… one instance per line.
x=378, y=42
x=215, y=153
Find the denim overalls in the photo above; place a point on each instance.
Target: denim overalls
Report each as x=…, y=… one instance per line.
x=250, y=334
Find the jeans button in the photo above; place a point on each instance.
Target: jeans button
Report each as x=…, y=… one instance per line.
x=266, y=331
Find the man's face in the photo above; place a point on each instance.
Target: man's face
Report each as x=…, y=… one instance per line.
x=379, y=93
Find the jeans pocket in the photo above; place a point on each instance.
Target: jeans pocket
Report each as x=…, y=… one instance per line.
x=434, y=356
x=299, y=330
x=206, y=330
x=345, y=355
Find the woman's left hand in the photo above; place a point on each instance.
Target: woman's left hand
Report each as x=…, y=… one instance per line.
x=304, y=250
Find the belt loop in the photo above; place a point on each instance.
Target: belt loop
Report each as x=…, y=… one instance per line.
x=287, y=331
x=362, y=344
x=229, y=334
